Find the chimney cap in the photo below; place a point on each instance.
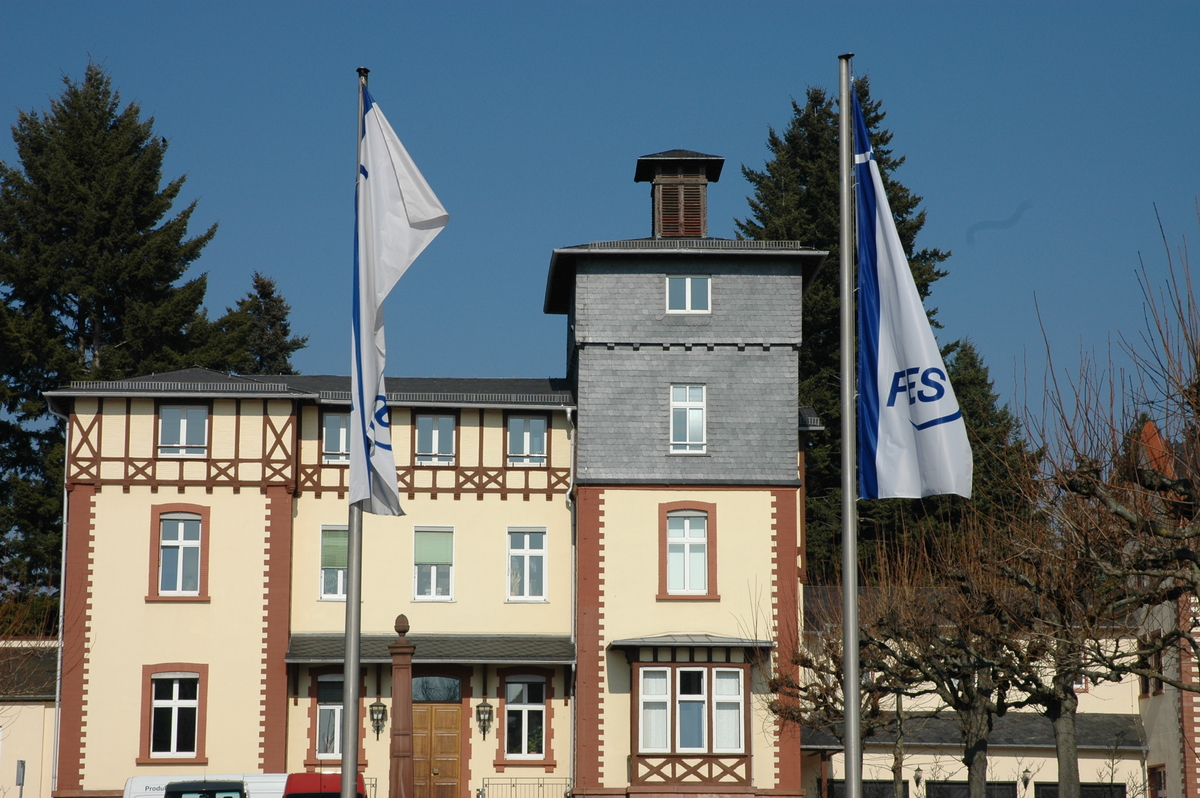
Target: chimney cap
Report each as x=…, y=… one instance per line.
x=646, y=164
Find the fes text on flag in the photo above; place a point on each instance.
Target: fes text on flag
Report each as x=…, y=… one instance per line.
x=912, y=441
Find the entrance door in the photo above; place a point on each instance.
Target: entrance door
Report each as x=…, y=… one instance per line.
x=437, y=749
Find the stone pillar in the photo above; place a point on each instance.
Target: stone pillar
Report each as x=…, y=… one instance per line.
x=400, y=772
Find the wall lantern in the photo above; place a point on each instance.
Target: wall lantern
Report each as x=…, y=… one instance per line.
x=378, y=712
x=918, y=774
x=483, y=717
x=1026, y=777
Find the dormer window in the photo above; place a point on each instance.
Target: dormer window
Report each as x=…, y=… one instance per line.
x=688, y=294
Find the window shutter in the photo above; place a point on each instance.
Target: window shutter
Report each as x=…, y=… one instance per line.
x=435, y=548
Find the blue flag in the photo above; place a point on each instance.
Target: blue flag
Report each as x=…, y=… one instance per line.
x=912, y=441
x=396, y=216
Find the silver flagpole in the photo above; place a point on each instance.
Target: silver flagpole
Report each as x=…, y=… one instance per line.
x=353, y=573
x=851, y=684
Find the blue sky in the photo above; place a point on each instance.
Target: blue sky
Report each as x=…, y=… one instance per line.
x=1069, y=120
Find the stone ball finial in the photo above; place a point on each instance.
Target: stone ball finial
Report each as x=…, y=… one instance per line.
x=402, y=626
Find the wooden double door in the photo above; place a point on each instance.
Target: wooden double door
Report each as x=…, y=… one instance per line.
x=437, y=749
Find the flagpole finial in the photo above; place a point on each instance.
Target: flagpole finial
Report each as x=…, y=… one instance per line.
x=845, y=56
x=363, y=72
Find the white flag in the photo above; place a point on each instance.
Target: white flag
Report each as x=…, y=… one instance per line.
x=397, y=215
x=912, y=441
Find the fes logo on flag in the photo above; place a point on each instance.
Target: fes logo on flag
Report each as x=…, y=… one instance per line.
x=396, y=216
x=912, y=440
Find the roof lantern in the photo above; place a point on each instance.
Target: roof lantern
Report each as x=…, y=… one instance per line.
x=679, y=190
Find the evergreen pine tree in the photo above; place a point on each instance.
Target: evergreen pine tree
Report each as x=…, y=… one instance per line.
x=255, y=336
x=91, y=287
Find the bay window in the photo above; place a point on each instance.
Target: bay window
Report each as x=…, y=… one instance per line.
x=680, y=706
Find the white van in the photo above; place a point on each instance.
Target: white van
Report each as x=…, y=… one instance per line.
x=258, y=785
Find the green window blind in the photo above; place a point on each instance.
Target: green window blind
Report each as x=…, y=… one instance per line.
x=435, y=548
x=333, y=548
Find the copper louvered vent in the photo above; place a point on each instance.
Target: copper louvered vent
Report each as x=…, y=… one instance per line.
x=679, y=191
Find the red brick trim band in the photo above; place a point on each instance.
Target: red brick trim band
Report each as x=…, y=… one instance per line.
x=272, y=734
x=589, y=679
x=77, y=607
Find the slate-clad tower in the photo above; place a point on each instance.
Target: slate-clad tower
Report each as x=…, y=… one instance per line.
x=683, y=353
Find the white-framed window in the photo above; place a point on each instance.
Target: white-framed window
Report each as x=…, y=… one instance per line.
x=335, y=438
x=435, y=440
x=174, y=708
x=687, y=553
x=527, y=440
x=691, y=709
x=688, y=294
x=729, y=711
x=329, y=715
x=433, y=556
x=334, y=546
x=687, y=418
x=525, y=717
x=527, y=564
x=182, y=431
x=680, y=706
x=655, y=710
x=179, y=555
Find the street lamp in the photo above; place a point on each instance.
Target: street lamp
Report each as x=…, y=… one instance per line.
x=483, y=717
x=378, y=712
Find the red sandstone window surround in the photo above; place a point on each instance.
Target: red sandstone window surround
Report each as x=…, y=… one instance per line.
x=524, y=728
x=687, y=551
x=178, y=561
x=174, y=710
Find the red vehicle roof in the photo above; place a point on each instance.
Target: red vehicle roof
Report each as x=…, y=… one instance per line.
x=318, y=783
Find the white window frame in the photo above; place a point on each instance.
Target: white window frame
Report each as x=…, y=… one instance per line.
x=175, y=703
x=687, y=404
x=701, y=699
x=655, y=698
x=340, y=595
x=688, y=542
x=336, y=711
x=524, y=710
x=182, y=447
x=689, y=294
x=717, y=700
x=180, y=545
x=435, y=457
x=339, y=453
x=433, y=576
x=526, y=554
x=525, y=457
